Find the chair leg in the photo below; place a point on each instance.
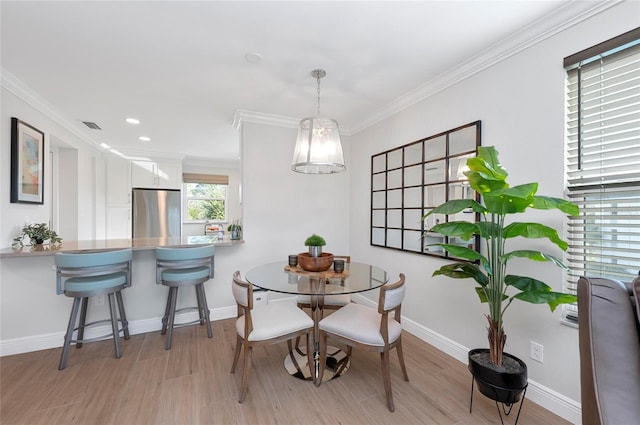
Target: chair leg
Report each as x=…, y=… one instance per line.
x=69, y=335
x=248, y=350
x=401, y=360
x=114, y=325
x=123, y=316
x=173, y=293
x=205, y=309
x=167, y=309
x=386, y=377
x=236, y=356
x=83, y=320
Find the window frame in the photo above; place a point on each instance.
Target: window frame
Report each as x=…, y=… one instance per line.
x=208, y=179
x=602, y=181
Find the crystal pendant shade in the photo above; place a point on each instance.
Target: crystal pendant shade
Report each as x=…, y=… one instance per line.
x=318, y=148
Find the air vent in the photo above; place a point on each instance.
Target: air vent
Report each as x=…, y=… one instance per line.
x=91, y=125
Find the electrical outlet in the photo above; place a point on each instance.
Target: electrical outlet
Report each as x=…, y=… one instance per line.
x=536, y=351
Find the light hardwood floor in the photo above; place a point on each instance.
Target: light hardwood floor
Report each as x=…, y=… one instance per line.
x=191, y=384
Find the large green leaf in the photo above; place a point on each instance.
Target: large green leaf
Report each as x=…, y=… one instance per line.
x=459, y=229
x=463, y=271
x=455, y=206
x=534, y=230
x=511, y=200
x=535, y=256
x=461, y=252
x=485, y=173
x=549, y=203
x=554, y=299
x=487, y=229
x=525, y=283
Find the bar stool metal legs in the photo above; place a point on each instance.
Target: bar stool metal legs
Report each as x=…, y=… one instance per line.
x=80, y=306
x=168, y=320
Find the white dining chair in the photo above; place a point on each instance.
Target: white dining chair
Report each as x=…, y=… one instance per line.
x=267, y=324
x=369, y=329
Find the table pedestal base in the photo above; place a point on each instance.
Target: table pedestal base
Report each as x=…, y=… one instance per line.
x=295, y=363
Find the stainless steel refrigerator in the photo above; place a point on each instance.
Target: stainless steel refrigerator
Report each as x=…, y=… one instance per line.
x=156, y=213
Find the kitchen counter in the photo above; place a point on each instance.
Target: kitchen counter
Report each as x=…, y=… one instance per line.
x=110, y=244
x=33, y=317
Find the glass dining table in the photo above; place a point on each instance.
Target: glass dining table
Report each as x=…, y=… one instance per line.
x=282, y=278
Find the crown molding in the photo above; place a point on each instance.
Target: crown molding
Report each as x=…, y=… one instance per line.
x=242, y=115
x=547, y=26
x=33, y=99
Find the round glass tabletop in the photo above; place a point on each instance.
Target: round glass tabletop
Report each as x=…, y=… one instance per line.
x=357, y=277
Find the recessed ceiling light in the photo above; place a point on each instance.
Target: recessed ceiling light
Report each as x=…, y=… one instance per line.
x=253, y=57
x=132, y=121
x=144, y=138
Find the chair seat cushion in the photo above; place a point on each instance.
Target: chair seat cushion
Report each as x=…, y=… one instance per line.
x=273, y=320
x=342, y=299
x=361, y=324
x=93, y=283
x=181, y=275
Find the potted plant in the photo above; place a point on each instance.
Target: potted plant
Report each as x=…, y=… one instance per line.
x=235, y=229
x=488, y=269
x=315, y=260
x=315, y=244
x=37, y=233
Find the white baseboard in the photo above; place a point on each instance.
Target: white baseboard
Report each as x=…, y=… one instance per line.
x=551, y=400
x=55, y=340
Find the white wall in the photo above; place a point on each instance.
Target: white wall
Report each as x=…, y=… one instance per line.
x=86, y=193
x=280, y=207
x=521, y=104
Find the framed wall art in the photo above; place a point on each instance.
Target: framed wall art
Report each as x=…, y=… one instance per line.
x=27, y=163
x=410, y=180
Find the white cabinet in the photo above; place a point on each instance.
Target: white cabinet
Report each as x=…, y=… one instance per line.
x=118, y=181
x=164, y=174
x=118, y=222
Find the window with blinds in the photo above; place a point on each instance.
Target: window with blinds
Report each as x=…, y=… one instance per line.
x=205, y=197
x=603, y=161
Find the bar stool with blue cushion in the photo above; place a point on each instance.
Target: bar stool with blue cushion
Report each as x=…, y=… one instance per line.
x=184, y=266
x=81, y=275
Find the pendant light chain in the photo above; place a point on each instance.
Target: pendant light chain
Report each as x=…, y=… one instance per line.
x=318, y=78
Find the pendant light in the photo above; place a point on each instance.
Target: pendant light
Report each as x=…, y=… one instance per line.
x=318, y=148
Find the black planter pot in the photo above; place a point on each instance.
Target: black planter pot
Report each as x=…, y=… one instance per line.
x=504, y=384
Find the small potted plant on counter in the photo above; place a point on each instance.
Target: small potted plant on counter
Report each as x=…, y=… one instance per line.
x=235, y=230
x=37, y=233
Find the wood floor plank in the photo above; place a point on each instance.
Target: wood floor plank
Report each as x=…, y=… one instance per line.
x=192, y=384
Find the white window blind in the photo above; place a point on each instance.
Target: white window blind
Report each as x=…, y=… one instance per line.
x=603, y=163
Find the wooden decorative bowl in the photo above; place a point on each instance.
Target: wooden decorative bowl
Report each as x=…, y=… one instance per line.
x=315, y=264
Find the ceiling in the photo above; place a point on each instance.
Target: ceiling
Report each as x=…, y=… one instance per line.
x=181, y=69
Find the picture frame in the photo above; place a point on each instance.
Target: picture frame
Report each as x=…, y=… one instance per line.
x=27, y=163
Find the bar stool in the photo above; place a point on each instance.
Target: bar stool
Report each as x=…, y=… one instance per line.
x=184, y=266
x=81, y=275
